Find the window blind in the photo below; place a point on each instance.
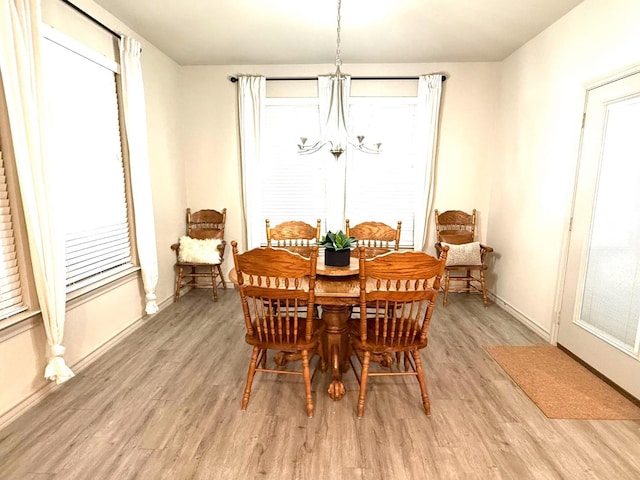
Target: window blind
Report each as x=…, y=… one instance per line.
x=293, y=186
x=10, y=286
x=382, y=187
x=84, y=120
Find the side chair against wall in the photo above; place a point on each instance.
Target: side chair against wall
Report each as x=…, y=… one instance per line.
x=401, y=288
x=457, y=229
x=276, y=289
x=200, y=253
x=293, y=235
x=376, y=237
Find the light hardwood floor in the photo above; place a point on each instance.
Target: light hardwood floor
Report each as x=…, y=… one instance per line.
x=165, y=403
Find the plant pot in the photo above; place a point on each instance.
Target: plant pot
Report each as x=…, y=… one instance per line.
x=337, y=258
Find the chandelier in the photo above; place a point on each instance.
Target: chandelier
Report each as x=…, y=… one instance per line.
x=336, y=131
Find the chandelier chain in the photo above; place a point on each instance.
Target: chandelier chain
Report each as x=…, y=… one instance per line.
x=338, y=29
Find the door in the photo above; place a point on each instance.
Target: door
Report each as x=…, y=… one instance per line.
x=600, y=313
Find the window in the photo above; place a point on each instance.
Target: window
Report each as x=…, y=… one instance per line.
x=383, y=187
x=358, y=186
x=10, y=286
x=85, y=140
x=293, y=186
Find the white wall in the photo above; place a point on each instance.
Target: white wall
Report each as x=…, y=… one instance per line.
x=96, y=319
x=210, y=133
x=542, y=97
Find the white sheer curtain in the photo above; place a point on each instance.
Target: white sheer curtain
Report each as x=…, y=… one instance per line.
x=328, y=88
x=251, y=96
x=135, y=120
x=427, y=114
x=21, y=71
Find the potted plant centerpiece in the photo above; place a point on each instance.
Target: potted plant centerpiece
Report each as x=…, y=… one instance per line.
x=337, y=248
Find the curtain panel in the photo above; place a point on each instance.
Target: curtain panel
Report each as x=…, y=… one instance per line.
x=21, y=70
x=135, y=120
x=251, y=105
x=427, y=115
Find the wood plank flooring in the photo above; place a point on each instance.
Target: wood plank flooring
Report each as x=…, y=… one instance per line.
x=165, y=404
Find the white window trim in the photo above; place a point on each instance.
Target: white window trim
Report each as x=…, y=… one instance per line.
x=76, y=47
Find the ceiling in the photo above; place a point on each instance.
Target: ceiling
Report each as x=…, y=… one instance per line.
x=261, y=32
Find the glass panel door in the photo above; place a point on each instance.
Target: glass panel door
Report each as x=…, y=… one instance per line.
x=600, y=310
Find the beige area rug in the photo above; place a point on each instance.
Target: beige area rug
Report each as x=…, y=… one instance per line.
x=560, y=386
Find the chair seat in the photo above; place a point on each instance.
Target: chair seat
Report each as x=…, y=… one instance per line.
x=194, y=264
x=453, y=267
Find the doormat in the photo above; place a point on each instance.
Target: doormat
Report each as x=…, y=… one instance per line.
x=560, y=386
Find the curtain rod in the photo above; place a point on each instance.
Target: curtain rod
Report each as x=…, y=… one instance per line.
x=235, y=79
x=93, y=19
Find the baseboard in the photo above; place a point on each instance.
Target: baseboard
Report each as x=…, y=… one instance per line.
x=49, y=387
x=521, y=317
x=32, y=400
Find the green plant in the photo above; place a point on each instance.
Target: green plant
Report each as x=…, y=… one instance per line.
x=338, y=241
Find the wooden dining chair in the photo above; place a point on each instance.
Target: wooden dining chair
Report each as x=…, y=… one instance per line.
x=294, y=235
x=402, y=287
x=466, y=263
x=275, y=287
x=376, y=237
x=200, y=253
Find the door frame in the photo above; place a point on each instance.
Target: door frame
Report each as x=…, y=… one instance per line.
x=566, y=233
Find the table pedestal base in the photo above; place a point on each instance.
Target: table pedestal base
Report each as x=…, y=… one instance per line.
x=335, y=343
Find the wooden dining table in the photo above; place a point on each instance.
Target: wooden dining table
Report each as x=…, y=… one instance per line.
x=337, y=291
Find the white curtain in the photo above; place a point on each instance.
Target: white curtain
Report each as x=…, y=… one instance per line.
x=251, y=101
x=21, y=71
x=135, y=120
x=427, y=114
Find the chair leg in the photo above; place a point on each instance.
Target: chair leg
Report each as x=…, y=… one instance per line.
x=224, y=285
x=176, y=295
x=423, y=384
x=322, y=353
x=214, y=285
x=250, y=374
x=363, y=383
x=446, y=287
x=484, y=289
x=307, y=382
x=263, y=360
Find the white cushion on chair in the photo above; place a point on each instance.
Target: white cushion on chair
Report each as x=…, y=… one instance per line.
x=463, y=254
x=193, y=250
